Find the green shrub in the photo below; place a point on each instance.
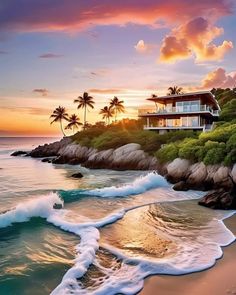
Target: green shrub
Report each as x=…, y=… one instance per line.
x=215, y=153
x=188, y=149
x=111, y=139
x=167, y=153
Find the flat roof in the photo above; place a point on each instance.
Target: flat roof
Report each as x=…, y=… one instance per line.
x=174, y=96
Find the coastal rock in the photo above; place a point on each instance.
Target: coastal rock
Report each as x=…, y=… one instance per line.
x=127, y=157
x=219, y=199
x=77, y=175
x=177, y=170
x=181, y=186
x=47, y=160
x=233, y=173
x=197, y=173
x=18, y=153
x=222, y=178
x=49, y=150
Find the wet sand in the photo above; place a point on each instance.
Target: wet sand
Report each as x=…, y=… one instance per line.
x=218, y=280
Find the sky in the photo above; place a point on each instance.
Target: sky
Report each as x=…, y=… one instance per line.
x=51, y=51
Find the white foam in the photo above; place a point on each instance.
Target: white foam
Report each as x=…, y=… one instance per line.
x=139, y=186
x=37, y=207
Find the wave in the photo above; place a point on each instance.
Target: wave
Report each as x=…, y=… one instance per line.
x=38, y=207
x=140, y=185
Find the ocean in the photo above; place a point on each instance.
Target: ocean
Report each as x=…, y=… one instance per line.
x=107, y=232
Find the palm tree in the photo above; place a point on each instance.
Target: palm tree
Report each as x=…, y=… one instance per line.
x=175, y=90
x=107, y=113
x=85, y=101
x=117, y=105
x=74, y=122
x=59, y=114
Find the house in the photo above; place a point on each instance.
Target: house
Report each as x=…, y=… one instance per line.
x=189, y=111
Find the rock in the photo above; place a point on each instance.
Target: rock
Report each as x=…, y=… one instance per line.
x=219, y=199
x=57, y=206
x=77, y=175
x=18, y=153
x=181, y=186
x=50, y=150
x=233, y=173
x=177, y=170
x=222, y=178
x=47, y=160
x=197, y=173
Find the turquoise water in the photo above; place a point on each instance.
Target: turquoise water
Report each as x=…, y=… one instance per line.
x=115, y=228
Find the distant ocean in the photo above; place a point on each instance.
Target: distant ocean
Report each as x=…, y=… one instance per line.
x=113, y=229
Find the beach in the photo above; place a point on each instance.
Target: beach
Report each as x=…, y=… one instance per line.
x=218, y=280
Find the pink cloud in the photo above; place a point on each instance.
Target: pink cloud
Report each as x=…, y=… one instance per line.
x=74, y=15
x=219, y=78
x=194, y=39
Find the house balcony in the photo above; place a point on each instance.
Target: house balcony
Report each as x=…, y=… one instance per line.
x=204, y=128
x=178, y=110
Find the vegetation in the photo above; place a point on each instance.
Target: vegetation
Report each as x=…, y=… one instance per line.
x=59, y=114
x=85, y=101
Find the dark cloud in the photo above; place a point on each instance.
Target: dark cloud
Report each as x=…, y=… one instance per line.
x=50, y=55
x=41, y=91
x=3, y=52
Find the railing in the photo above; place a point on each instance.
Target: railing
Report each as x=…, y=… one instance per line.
x=178, y=109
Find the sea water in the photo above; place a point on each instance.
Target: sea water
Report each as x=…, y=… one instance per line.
x=108, y=231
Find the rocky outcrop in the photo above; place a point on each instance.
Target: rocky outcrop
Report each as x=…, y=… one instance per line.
x=219, y=199
x=18, y=153
x=49, y=150
x=127, y=157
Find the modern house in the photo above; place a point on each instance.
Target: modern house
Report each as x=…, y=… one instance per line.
x=189, y=111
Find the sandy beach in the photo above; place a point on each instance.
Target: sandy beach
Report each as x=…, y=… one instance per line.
x=218, y=280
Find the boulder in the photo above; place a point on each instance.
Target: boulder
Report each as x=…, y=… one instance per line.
x=47, y=160
x=77, y=175
x=219, y=199
x=222, y=178
x=178, y=170
x=197, y=173
x=181, y=186
x=233, y=173
x=18, y=153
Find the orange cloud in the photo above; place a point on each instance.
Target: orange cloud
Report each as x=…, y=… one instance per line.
x=194, y=39
x=219, y=78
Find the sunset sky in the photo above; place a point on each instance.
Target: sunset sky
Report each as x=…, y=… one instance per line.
x=51, y=51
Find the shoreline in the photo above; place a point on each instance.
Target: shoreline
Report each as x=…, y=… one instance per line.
x=217, y=280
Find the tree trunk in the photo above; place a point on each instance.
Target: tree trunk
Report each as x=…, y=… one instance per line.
x=85, y=116
x=62, y=128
